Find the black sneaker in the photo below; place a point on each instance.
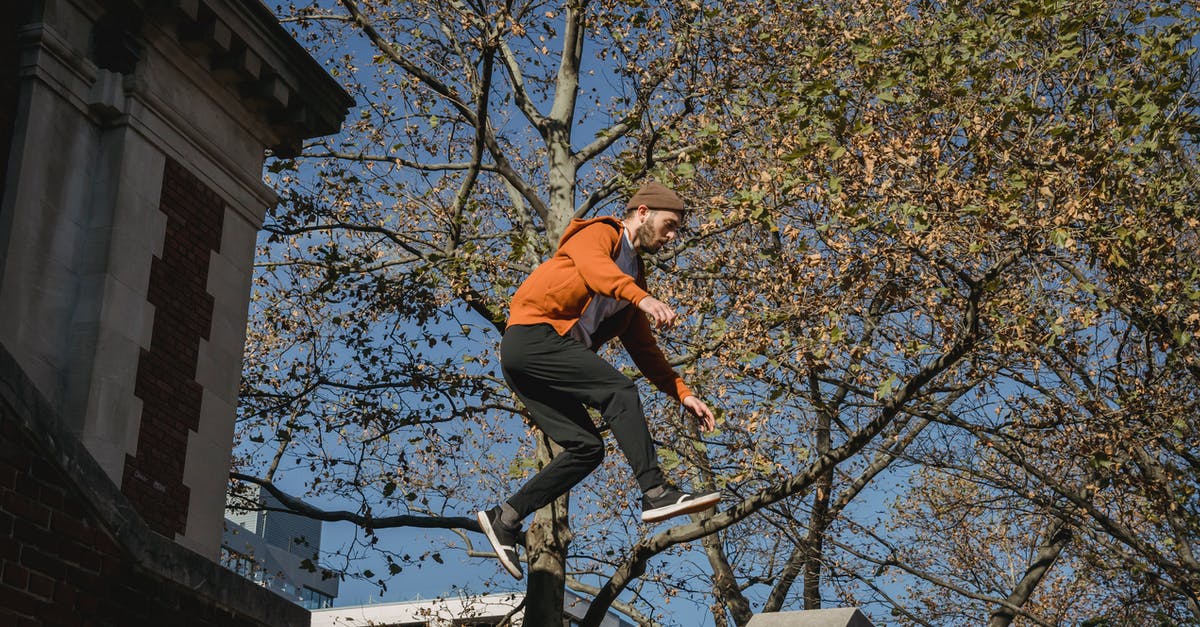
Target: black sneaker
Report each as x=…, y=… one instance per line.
x=672, y=502
x=504, y=539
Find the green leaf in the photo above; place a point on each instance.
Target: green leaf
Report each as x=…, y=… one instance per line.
x=885, y=388
x=668, y=459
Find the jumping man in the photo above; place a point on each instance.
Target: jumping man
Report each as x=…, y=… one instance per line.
x=592, y=290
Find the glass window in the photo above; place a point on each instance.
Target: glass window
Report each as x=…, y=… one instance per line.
x=314, y=600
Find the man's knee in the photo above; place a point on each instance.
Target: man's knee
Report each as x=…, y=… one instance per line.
x=624, y=401
x=590, y=451
x=624, y=406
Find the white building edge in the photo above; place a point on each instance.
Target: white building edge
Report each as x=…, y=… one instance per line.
x=486, y=609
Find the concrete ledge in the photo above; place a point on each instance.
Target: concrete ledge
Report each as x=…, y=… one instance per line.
x=840, y=617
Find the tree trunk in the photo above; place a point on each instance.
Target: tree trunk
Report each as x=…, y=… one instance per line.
x=725, y=585
x=561, y=181
x=546, y=543
x=814, y=542
x=562, y=169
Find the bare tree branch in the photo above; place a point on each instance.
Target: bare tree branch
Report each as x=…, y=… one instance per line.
x=297, y=506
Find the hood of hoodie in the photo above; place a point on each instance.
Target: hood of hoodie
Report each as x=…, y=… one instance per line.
x=577, y=224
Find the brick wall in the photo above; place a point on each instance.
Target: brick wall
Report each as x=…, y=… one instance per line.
x=166, y=377
x=74, y=552
x=62, y=567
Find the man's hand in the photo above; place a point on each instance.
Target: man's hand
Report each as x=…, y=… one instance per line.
x=701, y=412
x=661, y=315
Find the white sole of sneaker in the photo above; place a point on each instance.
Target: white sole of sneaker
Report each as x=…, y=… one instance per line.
x=501, y=554
x=679, y=509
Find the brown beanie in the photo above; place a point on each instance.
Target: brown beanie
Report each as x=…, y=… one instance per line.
x=655, y=195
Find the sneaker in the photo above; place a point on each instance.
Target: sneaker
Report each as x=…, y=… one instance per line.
x=504, y=539
x=672, y=502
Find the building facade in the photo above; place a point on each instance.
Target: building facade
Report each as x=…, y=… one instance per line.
x=132, y=140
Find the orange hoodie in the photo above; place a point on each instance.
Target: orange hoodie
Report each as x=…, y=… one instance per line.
x=558, y=291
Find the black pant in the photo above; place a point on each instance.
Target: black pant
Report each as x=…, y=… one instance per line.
x=557, y=378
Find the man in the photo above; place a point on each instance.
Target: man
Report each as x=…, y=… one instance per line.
x=592, y=290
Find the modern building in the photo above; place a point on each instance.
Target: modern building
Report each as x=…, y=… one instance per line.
x=284, y=530
x=279, y=551
x=460, y=611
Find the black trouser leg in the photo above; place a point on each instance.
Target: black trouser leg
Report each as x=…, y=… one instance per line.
x=558, y=378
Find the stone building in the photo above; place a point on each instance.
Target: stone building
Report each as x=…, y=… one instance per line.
x=132, y=142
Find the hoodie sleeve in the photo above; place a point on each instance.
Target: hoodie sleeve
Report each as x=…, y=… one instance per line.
x=592, y=250
x=639, y=342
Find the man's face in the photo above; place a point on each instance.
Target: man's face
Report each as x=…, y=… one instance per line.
x=661, y=226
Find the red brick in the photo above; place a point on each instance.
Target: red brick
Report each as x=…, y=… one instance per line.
x=40, y=562
x=27, y=487
x=19, y=602
x=58, y=616
x=15, y=608
x=10, y=549
x=88, y=585
x=17, y=458
x=27, y=533
x=27, y=508
x=70, y=527
x=15, y=576
x=81, y=556
x=53, y=497
x=8, y=476
x=41, y=586
x=65, y=594
x=88, y=604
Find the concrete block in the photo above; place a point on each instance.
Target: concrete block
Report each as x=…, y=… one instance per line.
x=204, y=473
x=239, y=237
x=839, y=617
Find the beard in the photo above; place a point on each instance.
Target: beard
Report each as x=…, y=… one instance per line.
x=648, y=238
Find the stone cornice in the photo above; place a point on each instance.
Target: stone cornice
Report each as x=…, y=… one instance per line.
x=246, y=49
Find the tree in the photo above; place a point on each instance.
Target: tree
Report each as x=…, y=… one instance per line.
x=388, y=267
x=1054, y=126
x=930, y=234
x=1039, y=148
